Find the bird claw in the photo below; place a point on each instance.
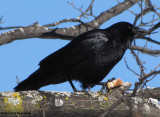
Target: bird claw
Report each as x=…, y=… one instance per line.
x=104, y=84
x=86, y=92
x=110, y=80
x=83, y=91
x=75, y=90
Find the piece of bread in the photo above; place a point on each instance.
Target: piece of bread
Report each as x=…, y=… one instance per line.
x=114, y=83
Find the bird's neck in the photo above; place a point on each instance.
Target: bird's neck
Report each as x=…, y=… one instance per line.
x=120, y=39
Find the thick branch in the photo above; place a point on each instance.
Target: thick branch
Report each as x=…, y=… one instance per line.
x=150, y=93
x=114, y=11
x=60, y=104
x=31, y=31
x=36, y=31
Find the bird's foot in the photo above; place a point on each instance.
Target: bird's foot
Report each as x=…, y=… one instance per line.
x=105, y=85
x=83, y=91
x=75, y=90
x=110, y=80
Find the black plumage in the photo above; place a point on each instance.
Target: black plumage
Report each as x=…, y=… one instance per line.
x=88, y=58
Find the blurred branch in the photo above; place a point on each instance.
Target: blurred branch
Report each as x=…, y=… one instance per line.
x=150, y=31
x=144, y=12
x=150, y=40
x=146, y=51
x=139, y=63
x=10, y=27
x=125, y=61
x=143, y=78
x=149, y=92
x=154, y=27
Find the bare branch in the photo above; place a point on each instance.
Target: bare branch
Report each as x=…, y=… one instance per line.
x=88, y=9
x=84, y=14
x=141, y=80
x=146, y=51
x=114, y=11
x=64, y=21
x=138, y=62
x=154, y=28
x=144, y=12
x=130, y=68
x=148, y=80
x=10, y=27
x=1, y=22
x=149, y=32
x=65, y=33
x=150, y=40
x=31, y=31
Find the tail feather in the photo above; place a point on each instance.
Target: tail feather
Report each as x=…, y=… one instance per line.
x=37, y=80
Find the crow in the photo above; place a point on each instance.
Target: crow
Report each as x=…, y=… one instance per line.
x=88, y=58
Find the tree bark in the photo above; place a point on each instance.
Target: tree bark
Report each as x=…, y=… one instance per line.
x=66, y=104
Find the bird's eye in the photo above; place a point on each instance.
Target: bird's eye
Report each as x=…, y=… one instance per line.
x=130, y=27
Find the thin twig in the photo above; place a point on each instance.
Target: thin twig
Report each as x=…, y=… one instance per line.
x=141, y=81
x=130, y=68
x=146, y=81
x=89, y=8
x=64, y=21
x=84, y=13
x=138, y=62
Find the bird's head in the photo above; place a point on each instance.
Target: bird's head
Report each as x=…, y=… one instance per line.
x=126, y=32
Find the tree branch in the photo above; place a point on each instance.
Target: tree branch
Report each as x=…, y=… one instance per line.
x=146, y=50
x=31, y=31
x=141, y=80
x=60, y=104
x=64, y=33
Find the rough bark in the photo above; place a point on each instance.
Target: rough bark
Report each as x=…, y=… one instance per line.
x=60, y=104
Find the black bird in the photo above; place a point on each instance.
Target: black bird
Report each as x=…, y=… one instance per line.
x=88, y=58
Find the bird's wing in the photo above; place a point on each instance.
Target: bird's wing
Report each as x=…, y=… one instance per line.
x=79, y=49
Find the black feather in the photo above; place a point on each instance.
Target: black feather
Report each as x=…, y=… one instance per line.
x=88, y=58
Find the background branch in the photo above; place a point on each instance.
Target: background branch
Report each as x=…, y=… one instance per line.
x=64, y=33
x=146, y=50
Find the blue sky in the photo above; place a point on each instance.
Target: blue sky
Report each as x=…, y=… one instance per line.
x=21, y=57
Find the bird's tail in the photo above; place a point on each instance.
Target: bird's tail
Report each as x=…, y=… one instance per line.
x=37, y=80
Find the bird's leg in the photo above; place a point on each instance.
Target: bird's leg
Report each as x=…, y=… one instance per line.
x=74, y=88
x=104, y=84
x=72, y=85
x=85, y=91
x=70, y=82
x=89, y=89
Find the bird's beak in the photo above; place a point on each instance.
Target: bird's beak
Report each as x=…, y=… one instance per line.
x=139, y=32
